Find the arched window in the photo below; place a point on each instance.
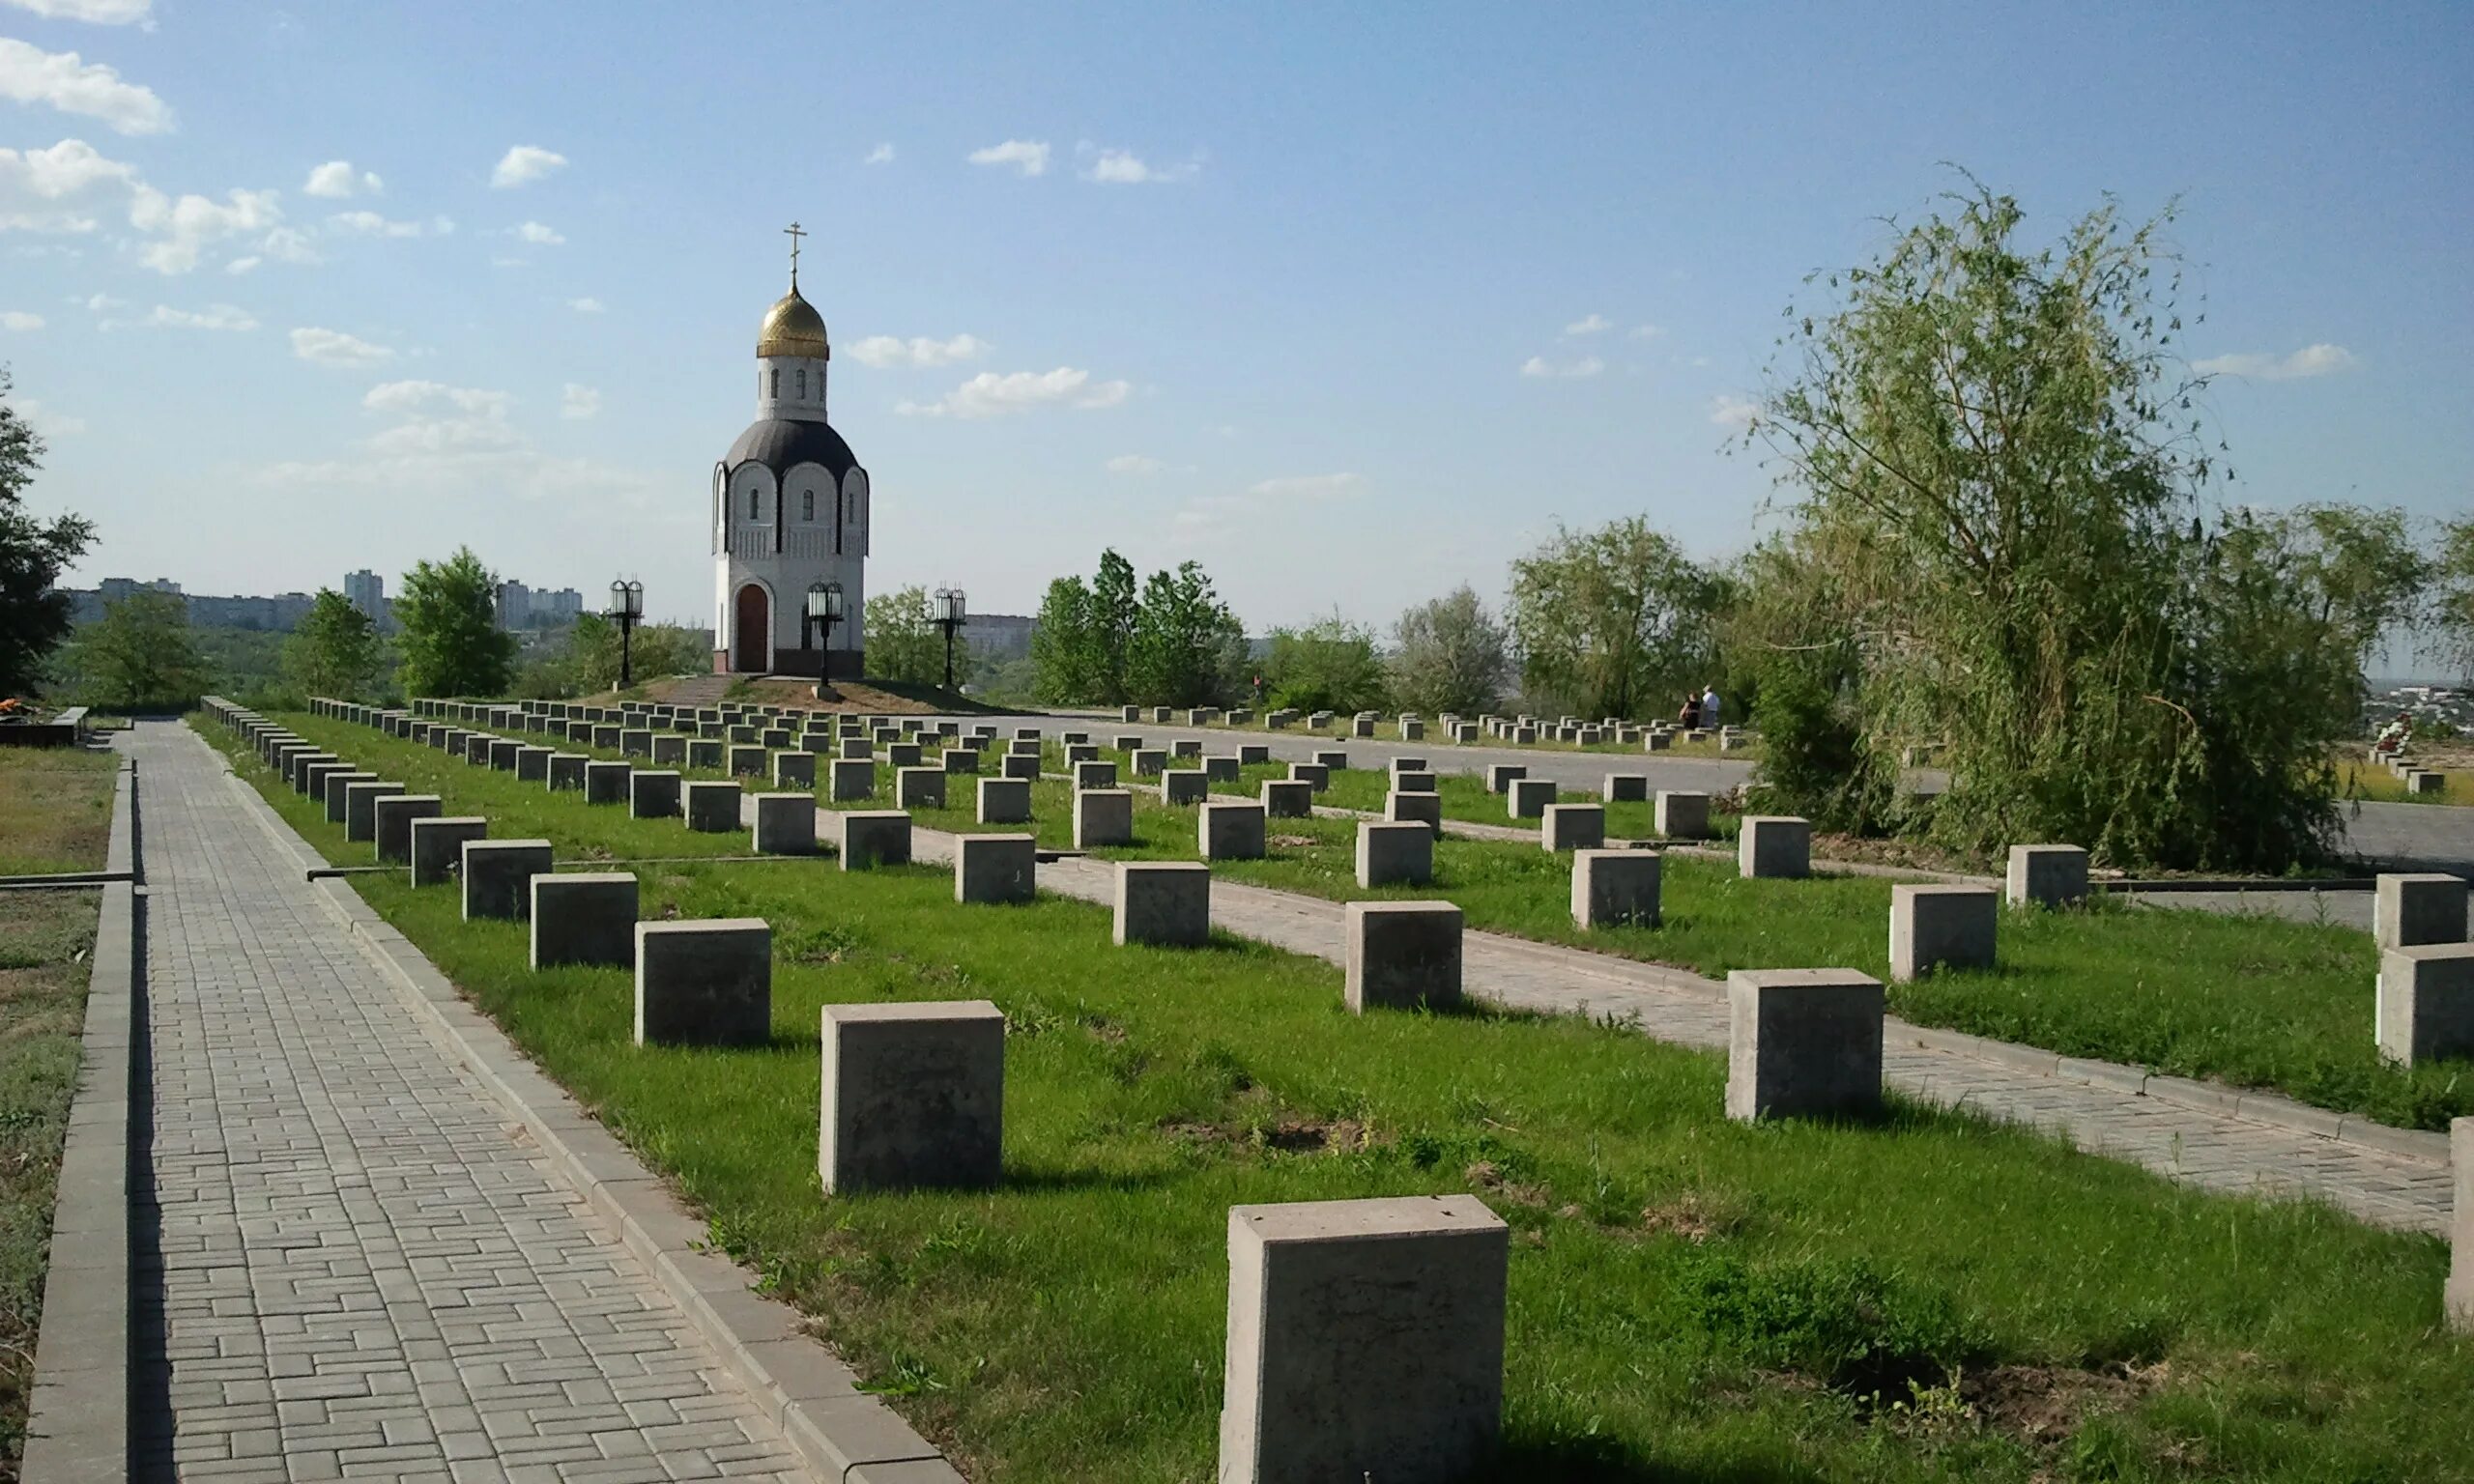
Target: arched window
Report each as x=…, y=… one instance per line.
x=755, y=504
x=807, y=504
x=777, y=383
x=803, y=384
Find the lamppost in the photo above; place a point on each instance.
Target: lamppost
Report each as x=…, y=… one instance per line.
x=626, y=608
x=949, y=617
x=823, y=610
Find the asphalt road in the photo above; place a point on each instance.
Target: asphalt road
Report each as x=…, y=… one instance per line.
x=2409, y=836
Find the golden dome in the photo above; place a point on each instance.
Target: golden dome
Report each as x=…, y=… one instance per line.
x=792, y=328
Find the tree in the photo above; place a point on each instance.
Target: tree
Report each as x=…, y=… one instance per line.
x=451, y=643
x=2450, y=619
x=1616, y=620
x=336, y=651
x=35, y=615
x=1188, y=646
x=1065, y=647
x=1329, y=665
x=1998, y=541
x=1114, y=615
x=140, y=656
x=904, y=643
x=588, y=661
x=1450, y=655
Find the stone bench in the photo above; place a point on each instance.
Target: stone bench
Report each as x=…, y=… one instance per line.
x=911, y=1095
x=1365, y=1341
x=704, y=983
x=1400, y=955
x=584, y=918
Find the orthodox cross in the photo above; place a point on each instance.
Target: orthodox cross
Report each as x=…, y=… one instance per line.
x=795, y=234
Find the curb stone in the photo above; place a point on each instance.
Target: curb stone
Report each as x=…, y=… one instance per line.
x=77, y=1408
x=842, y=1433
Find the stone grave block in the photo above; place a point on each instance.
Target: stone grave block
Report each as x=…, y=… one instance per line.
x=1423, y=780
x=706, y=754
x=1331, y=760
x=1221, y=770
x=1680, y=815
x=962, y=761
x=1572, y=827
x=712, y=805
x=1774, y=846
x=913, y=1095
x=1935, y=926
x=437, y=847
x=1254, y=754
x=1185, y=747
x=1022, y=767
x=1326, y=1295
x=1500, y=776
x=795, y=770
x=871, y=837
x=502, y=754
x=586, y=917
x=706, y=982
x=1424, y=809
x=2458, y=1296
x=786, y=824
x=1316, y=778
x=1528, y=797
x=1102, y=816
x=901, y=754
x=1150, y=761
x=636, y=741
x=652, y=796
x=1125, y=743
x=2425, y=1008
x=360, y=800
x=1004, y=801
x=1095, y=775
x=1164, y=903
x=1401, y=954
x=606, y=782
x=670, y=751
x=1184, y=786
x=1390, y=854
x=919, y=787
x=2409, y=910
x=1287, y=798
x=1626, y=787
x=995, y=868
x=2046, y=875
x=337, y=796
x=497, y=877
x=747, y=759
x=853, y=779
x=1614, y=888
x=1230, y=830
x=1804, y=1043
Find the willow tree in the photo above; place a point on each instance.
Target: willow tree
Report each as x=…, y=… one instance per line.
x=2001, y=533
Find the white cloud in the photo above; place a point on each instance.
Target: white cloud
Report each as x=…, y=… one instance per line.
x=240, y=265
x=438, y=419
x=1593, y=325
x=189, y=224
x=918, y=351
x=2319, y=360
x=524, y=164
x=540, y=236
x=19, y=321
x=1732, y=413
x=287, y=244
x=45, y=423
x=585, y=305
x=578, y=404
x=212, y=317
x=1208, y=514
x=1648, y=332
x=100, y=303
x=460, y=441
x=1134, y=464
x=1123, y=167
x=56, y=189
x=1028, y=156
x=1541, y=366
x=30, y=74
x=336, y=179
x=991, y=395
x=371, y=224
x=882, y=154
x=102, y=13
x=334, y=348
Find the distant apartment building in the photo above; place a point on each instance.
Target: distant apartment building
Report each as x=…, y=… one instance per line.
x=279, y=613
x=366, y=590
x=521, y=606
x=999, y=635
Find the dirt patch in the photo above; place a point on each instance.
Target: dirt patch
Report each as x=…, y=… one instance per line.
x=1103, y=1029
x=1486, y=1176
x=1903, y=854
x=1291, y=841
x=1691, y=1216
x=1287, y=1135
x=2046, y=1404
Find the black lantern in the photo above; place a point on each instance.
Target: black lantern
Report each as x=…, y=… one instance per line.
x=949, y=617
x=822, y=610
x=626, y=609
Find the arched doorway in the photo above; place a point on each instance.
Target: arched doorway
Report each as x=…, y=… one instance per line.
x=754, y=652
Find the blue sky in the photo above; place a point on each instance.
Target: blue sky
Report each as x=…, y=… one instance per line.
x=1311, y=294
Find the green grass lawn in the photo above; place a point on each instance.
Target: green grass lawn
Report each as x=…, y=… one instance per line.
x=1691, y=1300
x=2252, y=1001
x=2357, y=779
x=55, y=816
x=1389, y=731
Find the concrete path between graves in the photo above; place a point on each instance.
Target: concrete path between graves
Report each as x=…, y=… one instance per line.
x=348, y=1262
x=2183, y=1141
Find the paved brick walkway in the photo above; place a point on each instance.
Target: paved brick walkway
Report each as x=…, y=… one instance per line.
x=2198, y=1148
x=348, y=1263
